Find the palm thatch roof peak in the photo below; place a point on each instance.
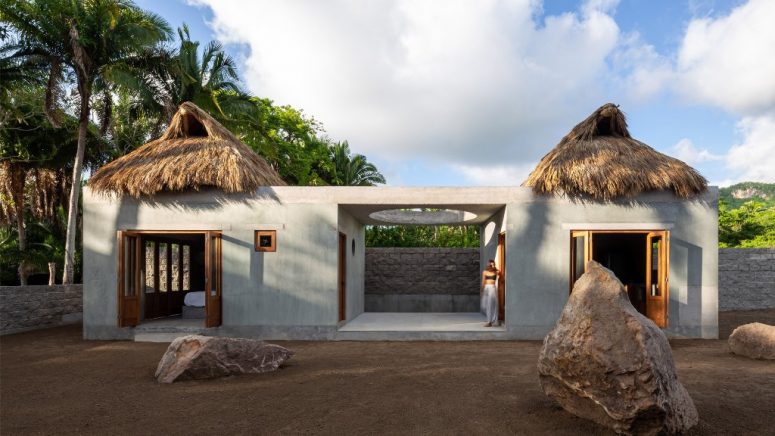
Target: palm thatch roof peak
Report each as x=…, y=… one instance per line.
x=599, y=159
x=195, y=152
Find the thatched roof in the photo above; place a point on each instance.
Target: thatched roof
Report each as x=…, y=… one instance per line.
x=195, y=151
x=599, y=159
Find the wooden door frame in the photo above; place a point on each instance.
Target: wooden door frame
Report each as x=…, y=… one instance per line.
x=587, y=234
x=128, y=316
x=501, y=252
x=342, y=276
x=213, y=306
x=664, y=261
x=121, y=270
x=663, y=278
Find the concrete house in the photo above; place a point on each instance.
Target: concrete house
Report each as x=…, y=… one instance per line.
x=194, y=232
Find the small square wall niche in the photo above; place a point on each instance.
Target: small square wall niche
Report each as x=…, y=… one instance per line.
x=266, y=240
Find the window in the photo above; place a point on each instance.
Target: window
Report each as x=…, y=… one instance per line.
x=266, y=240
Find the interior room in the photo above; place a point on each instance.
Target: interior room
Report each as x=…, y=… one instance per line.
x=173, y=277
x=625, y=255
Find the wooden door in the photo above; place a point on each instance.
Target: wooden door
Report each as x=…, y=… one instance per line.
x=580, y=254
x=213, y=279
x=129, y=257
x=657, y=267
x=342, y=276
x=502, y=276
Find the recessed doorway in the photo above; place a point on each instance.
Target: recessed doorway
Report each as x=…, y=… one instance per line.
x=169, y=275
x=638, y=258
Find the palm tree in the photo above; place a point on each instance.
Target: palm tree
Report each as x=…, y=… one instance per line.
x=93, y=39
x=352, y=170
x=168, y=77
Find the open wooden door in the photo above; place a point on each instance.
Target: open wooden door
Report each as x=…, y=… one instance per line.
x=502, y=279
x=213, y=279
x=657, y=267
x=580, y=254
x=129, y=256
x=342, y=276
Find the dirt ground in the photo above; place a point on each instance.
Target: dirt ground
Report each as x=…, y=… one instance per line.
x=53, y=382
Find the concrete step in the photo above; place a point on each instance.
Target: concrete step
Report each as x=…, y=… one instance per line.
x=496, y=334
x=158, y=337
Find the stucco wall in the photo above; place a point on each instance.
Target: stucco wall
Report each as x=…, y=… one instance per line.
x=746, y=278
x=292, y=293
x=33, y=307
x=403, y=279
x=296, y=286
x=538, y=253
x=356, y=238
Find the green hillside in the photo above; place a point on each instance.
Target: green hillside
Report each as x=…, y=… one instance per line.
x=746, y=217
x=734, y=196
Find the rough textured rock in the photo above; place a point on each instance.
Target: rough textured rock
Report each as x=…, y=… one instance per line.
x=201, y=357
x=606, y=362
x=755, y=340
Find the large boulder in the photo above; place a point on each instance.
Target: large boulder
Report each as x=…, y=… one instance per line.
x=606, y=362
x=201, y=357
x=755, y=340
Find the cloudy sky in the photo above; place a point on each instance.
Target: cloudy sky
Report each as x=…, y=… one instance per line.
x=476, y=92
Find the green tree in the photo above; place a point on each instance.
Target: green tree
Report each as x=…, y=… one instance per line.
x=752, y=225
x=32, y=156
x=352, y=170
x=290, y=141
x=422, y=236
x=167, y=77
x=93, y=40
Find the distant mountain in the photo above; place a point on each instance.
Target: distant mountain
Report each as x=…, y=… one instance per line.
x=738, y=194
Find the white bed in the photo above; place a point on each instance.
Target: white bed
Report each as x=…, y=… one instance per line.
x=193, y=305
x=195, y=299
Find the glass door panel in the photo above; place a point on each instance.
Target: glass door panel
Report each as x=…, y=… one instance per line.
x=213, y=279
x=581, y=252
x=656, y=277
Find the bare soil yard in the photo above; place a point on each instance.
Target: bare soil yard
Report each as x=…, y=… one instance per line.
x=53, y=382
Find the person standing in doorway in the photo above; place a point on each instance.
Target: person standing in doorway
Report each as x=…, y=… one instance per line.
x=489, y=294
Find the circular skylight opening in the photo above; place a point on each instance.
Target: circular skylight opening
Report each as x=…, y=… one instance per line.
x=421, y=216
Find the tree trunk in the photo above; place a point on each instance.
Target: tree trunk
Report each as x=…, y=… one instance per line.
x=24, y=272
x=75, y=189
x=16, y=179
x=52, y=273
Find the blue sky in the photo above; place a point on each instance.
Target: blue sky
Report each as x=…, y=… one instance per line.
x=475, y=93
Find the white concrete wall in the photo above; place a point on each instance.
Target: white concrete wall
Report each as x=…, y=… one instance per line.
x=356, y=263
x=296, y=286
x=488, y=234
x=293, y=292
x=538, y=256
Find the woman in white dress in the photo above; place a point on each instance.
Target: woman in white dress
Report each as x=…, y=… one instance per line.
x=489, y=294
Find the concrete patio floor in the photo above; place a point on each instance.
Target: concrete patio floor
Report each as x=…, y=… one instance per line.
x=419, y=322
x=369, y=326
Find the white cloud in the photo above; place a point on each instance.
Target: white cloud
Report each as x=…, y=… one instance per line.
x=639, y=70
x=686, y=151
x=457, y=83
x=495, y=175
x=728, y=62
x=754, y=158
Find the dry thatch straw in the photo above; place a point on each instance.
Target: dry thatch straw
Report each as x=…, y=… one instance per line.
x=195, y=151
x=599, y=159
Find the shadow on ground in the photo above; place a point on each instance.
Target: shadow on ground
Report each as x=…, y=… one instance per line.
x=53, y=382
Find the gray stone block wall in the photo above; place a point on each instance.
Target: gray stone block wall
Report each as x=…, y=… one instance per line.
x=422, y=280
x=746, y=278
x=32, y=307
